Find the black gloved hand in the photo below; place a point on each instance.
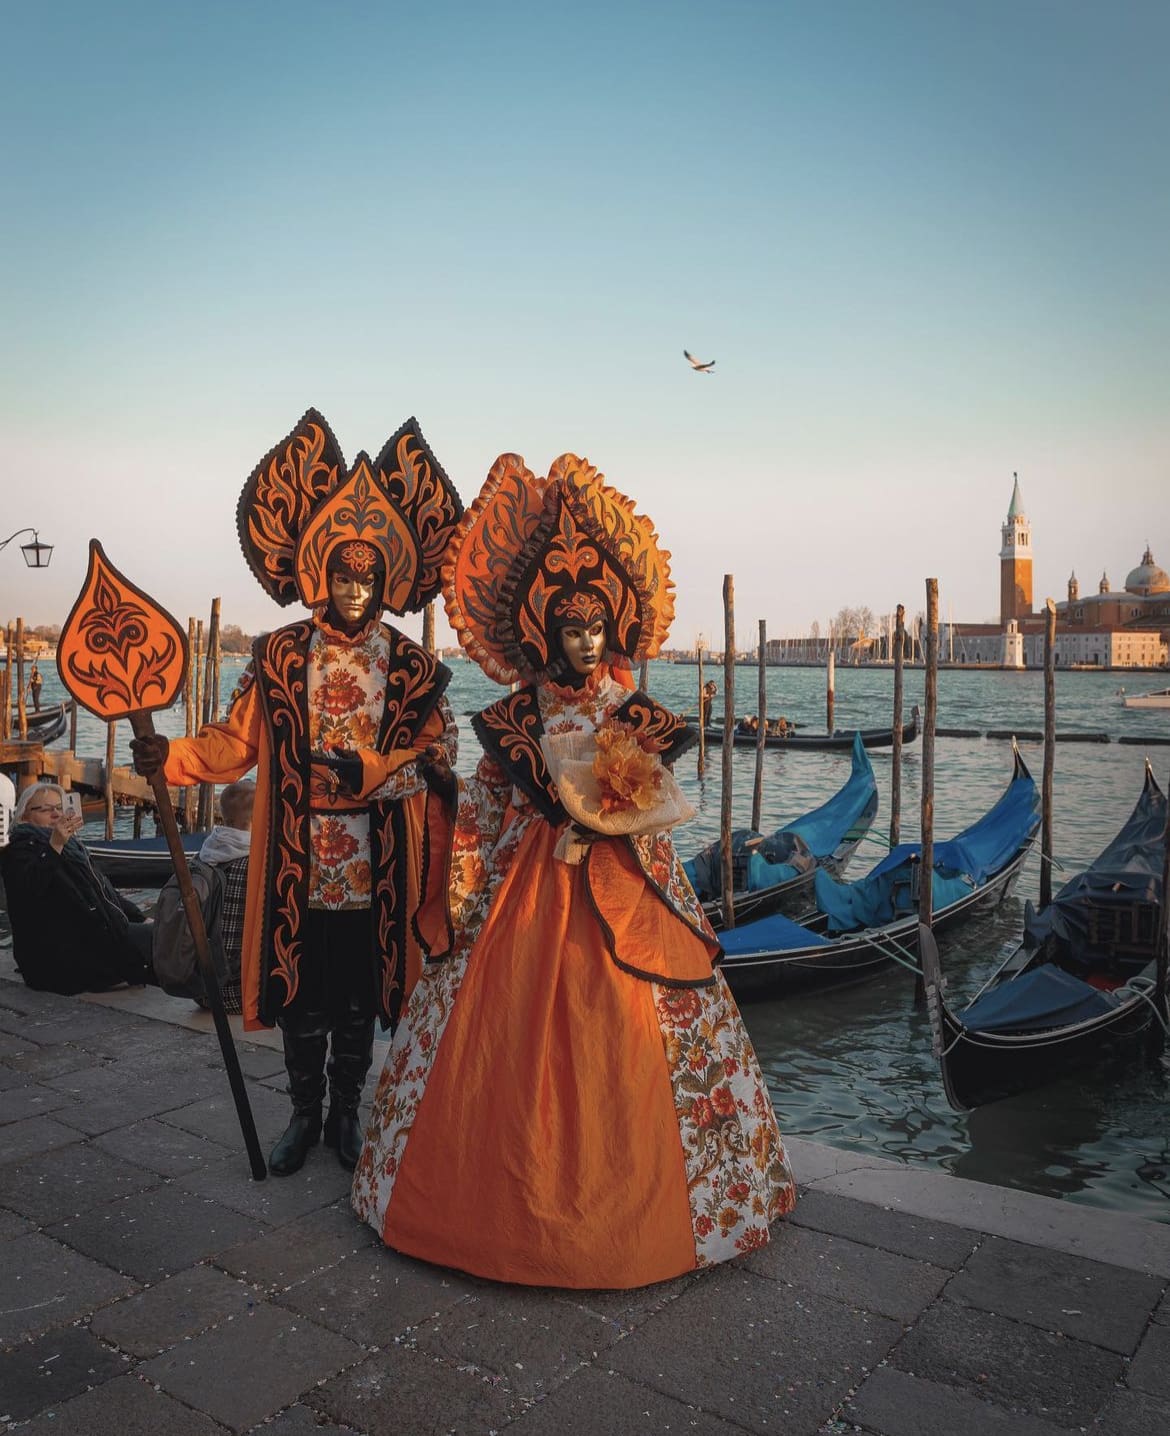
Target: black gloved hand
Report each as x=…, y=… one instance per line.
x=437, y=774
x=348, y=767
x=150, y=754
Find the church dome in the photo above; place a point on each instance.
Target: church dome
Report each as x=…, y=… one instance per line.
x=1147, y=578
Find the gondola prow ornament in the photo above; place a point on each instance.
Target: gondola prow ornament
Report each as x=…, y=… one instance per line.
x=122, y=656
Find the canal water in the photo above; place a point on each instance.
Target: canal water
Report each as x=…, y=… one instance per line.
x=853, y=1067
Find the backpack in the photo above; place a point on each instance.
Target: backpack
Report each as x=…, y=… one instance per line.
x=172, y=945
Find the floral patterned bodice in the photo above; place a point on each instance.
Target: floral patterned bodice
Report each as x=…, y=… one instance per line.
x=346, y=700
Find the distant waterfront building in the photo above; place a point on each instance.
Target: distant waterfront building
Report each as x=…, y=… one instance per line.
x=1125, y=629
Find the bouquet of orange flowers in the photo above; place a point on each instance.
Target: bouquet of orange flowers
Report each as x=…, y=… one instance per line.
x=612, y=784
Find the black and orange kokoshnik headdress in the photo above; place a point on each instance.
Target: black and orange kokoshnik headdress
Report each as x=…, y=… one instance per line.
x=301, y=502
x=533, y=554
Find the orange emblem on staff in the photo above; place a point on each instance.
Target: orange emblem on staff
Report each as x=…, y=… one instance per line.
x=119, y=652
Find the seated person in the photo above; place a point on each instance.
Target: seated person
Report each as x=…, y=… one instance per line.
x=749, y=724
x=706, y=700
x=226, y=847
x=778, y=727
x=72, y=931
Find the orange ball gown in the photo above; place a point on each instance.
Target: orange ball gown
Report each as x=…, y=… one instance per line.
x=571, y=1098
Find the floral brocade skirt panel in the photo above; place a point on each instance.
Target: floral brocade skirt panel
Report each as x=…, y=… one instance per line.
x=545, y=1117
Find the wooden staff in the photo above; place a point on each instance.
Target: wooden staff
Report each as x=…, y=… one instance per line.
x=21, y=708
x=728, y=748
x=428, y=629
x=896, y=764
x=926, y=864
x=111, y=733
x=762, y=704
x=1049, y=753
x=829, y=694
x=139, y=661
x=702, y=718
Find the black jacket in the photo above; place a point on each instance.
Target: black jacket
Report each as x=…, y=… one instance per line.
x=69, y=924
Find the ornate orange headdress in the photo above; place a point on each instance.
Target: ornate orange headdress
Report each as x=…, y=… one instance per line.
x=533, y=554
x=300, y=503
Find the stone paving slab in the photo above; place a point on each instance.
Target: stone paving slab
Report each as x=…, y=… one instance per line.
x=374, y=1295
x=1129, y=1413
x=405, y=1391
x=731, y=1347
x=18, y=1102
x=127, y=1406
x=52, y=1186
x=304, y=1421
x=515, y=1337
x=919, y=1237
x=894, y=1403
x=302, y=1249
x=215, y=1117
x=598, y=1402
x=47, y=1284
x=13, y=1225
x=158, y=1146
x=172, y=1310
x=275, y=1200
x=858, y=1275
x=156, y=1233
x=52, y=1368
x=1150, y=1371
x=103, y=1098
x=35, y=1062
x=1040, y=1372
x=35, y=1134
x=627, y=1310
x=1112, y=1237
x=251, y=1367
x=1105, y=1305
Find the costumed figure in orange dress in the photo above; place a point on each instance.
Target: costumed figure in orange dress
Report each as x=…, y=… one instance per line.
x=333, y=711
x=571, y=1098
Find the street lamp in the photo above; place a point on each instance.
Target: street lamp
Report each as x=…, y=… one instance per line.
x=36, y=553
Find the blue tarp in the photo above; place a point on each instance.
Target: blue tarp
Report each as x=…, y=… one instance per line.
x=1046, y=997
x=961, y=864
x=768, y=934
x=798, y=846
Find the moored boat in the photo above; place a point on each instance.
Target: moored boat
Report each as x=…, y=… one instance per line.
x=840, y=739
x=861, y=928
x=1087, y=981
x=44, y=726
x=1159, y=698
x=139, y=862
x=775, y=873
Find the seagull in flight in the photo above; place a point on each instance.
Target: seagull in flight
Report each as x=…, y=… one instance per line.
x=697, y=364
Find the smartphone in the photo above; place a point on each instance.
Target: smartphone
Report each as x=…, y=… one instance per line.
x=73, y=804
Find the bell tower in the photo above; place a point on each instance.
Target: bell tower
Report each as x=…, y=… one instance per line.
x=1015, y=561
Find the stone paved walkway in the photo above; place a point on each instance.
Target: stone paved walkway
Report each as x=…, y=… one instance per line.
x=148, y=1286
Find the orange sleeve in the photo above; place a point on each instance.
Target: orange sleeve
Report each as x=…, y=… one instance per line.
x=222, y=752
x=378, y=768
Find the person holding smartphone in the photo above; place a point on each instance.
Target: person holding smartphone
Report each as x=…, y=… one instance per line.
x=72, y=931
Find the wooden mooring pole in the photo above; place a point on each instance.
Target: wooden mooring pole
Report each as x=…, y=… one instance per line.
x=190, y=797
x=428, y=628
x=703, y=716
x=728, y=749
x=761, y=734
x=644, y=676
x=21, y=708
x=926, y=864
x=830, y=696
x=6, y=719
x=896, y=762
x=1049, y=753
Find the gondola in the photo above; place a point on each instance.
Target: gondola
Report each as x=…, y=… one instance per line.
x=45, y=726
x=139, y=862
x=840, y=739
x=861, y=928
x=1086, y=982
x=775, y=873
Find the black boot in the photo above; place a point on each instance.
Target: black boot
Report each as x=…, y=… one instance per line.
x=351, y=1053
x=304, y=1058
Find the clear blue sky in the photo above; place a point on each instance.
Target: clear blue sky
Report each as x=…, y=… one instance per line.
x=926, y=244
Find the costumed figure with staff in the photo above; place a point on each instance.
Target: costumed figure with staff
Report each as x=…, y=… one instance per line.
x=571, y=1098
x=333, y=711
